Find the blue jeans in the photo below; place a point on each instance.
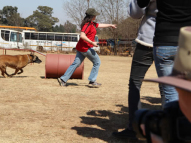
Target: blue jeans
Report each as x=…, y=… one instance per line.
x=142, y=60
x=164, y=61
x=80, y=56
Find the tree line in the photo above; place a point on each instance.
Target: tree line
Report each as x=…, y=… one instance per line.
x=41, y=19
x=111, y=11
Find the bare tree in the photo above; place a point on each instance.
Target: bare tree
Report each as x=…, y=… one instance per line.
x=75, y=9
x=128, y=28
x=112, y=11
x=88, y=3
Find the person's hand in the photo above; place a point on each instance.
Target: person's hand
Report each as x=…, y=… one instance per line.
x=113, y=26
x=154, y=138
x=95, y=44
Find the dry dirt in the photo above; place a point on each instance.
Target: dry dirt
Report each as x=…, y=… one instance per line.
x=37, y=110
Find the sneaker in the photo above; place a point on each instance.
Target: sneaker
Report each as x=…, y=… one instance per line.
x=94, y=84
x=61, y=82
x=125, y=134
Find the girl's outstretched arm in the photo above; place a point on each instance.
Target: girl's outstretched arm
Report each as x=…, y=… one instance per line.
x=107, y=25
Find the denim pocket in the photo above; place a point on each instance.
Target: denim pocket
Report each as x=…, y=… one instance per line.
x=166, y=53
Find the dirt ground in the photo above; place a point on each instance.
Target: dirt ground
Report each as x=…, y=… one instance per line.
x=37, y=110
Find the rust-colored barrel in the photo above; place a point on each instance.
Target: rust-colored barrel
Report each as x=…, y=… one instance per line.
x=57, y=64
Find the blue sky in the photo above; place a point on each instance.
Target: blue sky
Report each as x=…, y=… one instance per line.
x=26, y=7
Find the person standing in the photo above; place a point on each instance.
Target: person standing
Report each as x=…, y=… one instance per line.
x=180, y=78
x=84, y=48
x=171, y=16
x=142, y=59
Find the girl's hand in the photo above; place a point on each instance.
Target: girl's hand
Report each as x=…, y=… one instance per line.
x=94, y=44
x=113, y=26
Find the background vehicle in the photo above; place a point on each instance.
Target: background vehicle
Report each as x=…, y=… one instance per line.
x=10, y=39
x=51, y=41
x=17, y=28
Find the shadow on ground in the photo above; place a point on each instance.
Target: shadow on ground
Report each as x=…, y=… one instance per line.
x=15, y=77
x=153, y=100
x=101, y=123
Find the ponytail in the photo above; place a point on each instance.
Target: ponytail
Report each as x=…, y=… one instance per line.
x=87, y=18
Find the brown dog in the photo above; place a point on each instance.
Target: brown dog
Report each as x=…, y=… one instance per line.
x=16, y=62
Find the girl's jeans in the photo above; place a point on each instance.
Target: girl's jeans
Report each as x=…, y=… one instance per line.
x=164, y=61
x=142, y=60
x=80, y=56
